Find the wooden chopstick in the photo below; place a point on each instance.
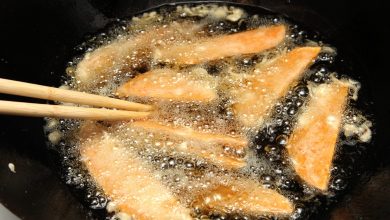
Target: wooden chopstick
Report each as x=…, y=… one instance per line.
x=50, y=93
x=61, y=111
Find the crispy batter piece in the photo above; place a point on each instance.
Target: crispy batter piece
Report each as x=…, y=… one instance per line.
x=312, y=144
x=205, y=145
x=128, y=181
x=168, y=84
x=259, y=92
x=243, y=196
x=247, y=42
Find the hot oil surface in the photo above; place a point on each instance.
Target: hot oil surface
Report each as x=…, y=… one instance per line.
x=182, y=173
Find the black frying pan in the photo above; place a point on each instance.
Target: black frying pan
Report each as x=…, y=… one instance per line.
x=37, y=38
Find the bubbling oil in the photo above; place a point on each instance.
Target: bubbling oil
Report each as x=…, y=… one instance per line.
x=182, y=173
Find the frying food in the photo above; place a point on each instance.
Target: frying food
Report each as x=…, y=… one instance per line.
x=223, y=46
x=236, y=143
x=313, y=142
x=247, y=123
x=259, y=92
x=205, y=145
x=126, y=180
x=169, y=85
x=243, y=196
x=127, y=53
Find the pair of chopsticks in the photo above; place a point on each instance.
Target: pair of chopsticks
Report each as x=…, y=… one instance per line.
x=130, y=110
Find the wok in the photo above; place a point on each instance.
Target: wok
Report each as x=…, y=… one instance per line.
x=37, y=38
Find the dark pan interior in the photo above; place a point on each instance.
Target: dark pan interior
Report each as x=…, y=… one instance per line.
x=38, y=37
